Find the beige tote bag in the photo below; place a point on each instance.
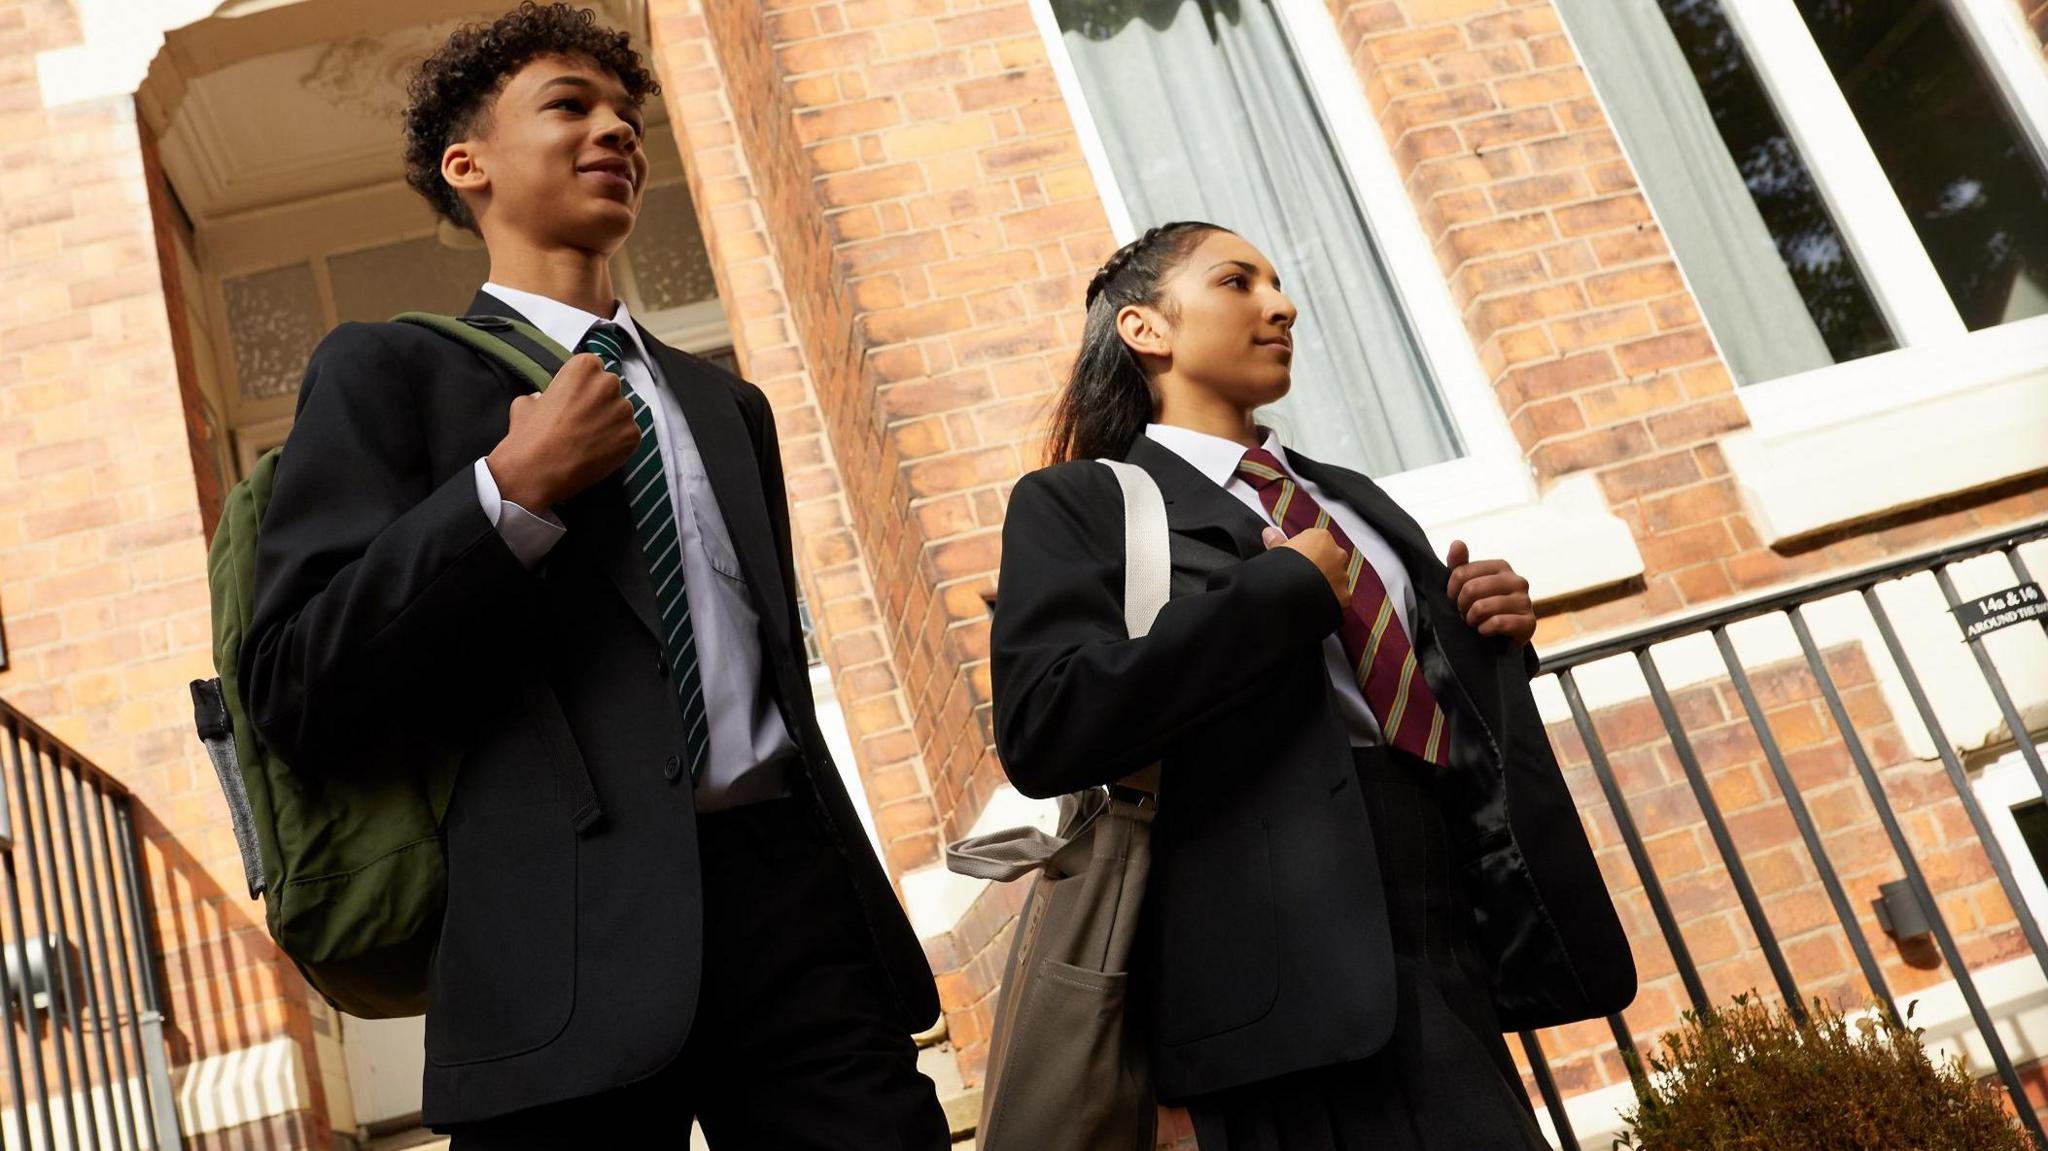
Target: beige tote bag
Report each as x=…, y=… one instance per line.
x=1065, y=1070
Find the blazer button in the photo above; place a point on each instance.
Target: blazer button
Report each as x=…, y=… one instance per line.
x=673, y=768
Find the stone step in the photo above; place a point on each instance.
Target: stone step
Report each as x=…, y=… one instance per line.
x=417, y=1139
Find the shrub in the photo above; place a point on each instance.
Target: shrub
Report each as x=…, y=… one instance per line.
x=1746, y=1077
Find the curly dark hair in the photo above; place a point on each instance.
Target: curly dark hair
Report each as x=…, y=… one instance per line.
x=451, y=94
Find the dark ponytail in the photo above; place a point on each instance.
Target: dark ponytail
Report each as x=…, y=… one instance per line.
x=1108, y=399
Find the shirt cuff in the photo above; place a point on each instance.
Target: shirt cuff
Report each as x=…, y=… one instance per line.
x=529, y=536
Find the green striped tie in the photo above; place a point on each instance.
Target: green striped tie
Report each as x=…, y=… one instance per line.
x=654, y=525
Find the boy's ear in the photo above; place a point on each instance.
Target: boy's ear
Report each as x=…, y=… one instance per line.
x=462, y=168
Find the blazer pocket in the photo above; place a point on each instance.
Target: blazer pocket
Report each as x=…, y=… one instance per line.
x=1219, y=957
x=504, y=978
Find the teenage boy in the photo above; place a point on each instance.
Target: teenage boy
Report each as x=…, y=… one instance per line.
x=661, y=904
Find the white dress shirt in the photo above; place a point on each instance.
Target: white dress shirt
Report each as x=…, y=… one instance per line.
x=748, y=737
x=1217, y=458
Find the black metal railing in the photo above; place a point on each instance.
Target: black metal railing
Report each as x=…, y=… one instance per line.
x=81, y=1030
x=1791, y=604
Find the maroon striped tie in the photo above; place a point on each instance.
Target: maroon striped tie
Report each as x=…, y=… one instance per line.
x=1381, y=656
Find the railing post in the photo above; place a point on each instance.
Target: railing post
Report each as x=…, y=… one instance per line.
x=37, y=1075
x=1546, y=1085
x=1717, y=827
x=163, y=1104
x=1803, y=820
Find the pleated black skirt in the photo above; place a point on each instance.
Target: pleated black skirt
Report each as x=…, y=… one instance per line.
x=1445, y=1081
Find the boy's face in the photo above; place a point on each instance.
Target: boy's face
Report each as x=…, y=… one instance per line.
x=559, y=160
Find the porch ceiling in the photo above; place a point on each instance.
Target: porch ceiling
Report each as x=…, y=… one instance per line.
x=267, y=102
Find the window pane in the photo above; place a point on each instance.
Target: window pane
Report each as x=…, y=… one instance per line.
x=1966, y=175
x=422, y=275
x=1807, y=239
x=1206, y=115
x=723, y=357
x=670, y=265
x=274, y=321
x=2032, y=816
x=1742, y=213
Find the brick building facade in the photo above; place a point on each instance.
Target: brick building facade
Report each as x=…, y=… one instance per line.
x=900, y=203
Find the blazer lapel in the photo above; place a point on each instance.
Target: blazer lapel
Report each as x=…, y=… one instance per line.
x=727, y=447
x=597, y=518
x=1195, y=505
x=599, y=514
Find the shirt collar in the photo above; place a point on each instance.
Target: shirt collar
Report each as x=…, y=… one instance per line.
x=1213, y=456
x=563, y=323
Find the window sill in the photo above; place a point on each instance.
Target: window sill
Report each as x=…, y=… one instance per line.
x=1853, y=441
x=1563, y=542
x=2015, y=996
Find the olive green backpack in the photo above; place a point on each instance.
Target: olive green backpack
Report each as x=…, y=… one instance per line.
x=349, y=865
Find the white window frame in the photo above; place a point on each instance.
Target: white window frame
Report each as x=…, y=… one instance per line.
x=1948, y=410
x=2003, y=785
x=1859, y=197
x=1564, y=540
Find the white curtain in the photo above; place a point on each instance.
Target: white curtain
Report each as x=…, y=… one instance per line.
x=1206, y=115
x=1738, y=275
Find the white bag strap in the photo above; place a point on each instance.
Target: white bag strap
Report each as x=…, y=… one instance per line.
x=1148, y=571
x=1014, y=852
x=1148, y=563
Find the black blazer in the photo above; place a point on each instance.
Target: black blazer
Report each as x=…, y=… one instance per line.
x=392, y=622
x=1268, y=949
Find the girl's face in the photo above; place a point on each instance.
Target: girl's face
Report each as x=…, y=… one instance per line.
x=1224, y=326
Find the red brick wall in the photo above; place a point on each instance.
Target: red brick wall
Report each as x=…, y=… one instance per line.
x=102, y=555
x=907, y=171
x=725, y=156
x=932, y=226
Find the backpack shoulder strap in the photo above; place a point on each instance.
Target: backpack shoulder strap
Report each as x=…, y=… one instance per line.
x=224, y=727
x=514, y=343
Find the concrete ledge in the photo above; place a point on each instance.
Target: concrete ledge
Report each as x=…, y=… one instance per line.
x=1565, y=543
x=963, y=1112
x=936, y=898
x=1858, y=440
x=240, y=1087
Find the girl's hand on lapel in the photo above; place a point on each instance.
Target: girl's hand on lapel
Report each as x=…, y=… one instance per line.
x=1321, y=549
x=1492, y=598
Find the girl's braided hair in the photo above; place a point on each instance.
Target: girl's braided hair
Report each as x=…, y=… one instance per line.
x=1108, y=398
